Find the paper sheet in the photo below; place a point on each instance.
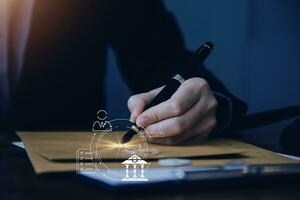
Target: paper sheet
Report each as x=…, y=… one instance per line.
x=250, y=154
x=64, y=145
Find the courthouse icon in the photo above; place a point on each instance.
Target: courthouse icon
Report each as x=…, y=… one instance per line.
x=137, y=163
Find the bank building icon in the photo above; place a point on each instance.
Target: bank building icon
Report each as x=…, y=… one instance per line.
x=138, y=165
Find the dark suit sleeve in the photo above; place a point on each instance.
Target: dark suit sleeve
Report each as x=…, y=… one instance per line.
x=150, y=48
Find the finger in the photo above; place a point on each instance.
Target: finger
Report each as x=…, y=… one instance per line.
x=137, y=103
x=176, y=140
x=164, y=141
x=207, y=123
x=182, y=100
x=197, y=135
x=172, y=140
x=202, y=129
x=183, y=123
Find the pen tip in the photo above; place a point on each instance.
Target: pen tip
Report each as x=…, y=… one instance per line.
x=127, y=137
x=124, y=140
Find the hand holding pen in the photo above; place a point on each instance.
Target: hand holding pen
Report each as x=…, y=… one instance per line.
x=182, y=111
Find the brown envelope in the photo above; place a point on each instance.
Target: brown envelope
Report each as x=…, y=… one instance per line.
x=62, y=146
x=251, y=154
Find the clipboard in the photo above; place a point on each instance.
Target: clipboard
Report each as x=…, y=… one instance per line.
x=203, y=174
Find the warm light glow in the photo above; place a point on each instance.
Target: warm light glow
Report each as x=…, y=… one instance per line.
x=108, y=145
x=118, y=145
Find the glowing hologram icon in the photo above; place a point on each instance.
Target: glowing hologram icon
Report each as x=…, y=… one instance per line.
x=85, y=161
x=100, y=124
x=136, y=162
x=104, y=139
x=102, y=115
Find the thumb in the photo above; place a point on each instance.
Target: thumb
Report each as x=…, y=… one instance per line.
x=137, y=103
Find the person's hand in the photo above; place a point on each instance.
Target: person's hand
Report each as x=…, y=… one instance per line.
x=189, y=116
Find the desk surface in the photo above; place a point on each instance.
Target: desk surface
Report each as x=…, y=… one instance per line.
x=18, y=181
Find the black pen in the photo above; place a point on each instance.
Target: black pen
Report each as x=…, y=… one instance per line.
x=172, y=85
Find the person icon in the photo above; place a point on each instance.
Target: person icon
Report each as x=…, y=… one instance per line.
x=101, y=124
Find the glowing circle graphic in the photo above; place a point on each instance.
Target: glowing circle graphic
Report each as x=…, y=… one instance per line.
x=109, y=152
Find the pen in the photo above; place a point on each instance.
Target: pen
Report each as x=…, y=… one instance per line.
x=171, y=86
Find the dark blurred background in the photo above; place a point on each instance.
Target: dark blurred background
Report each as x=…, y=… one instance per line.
x=257, y=52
